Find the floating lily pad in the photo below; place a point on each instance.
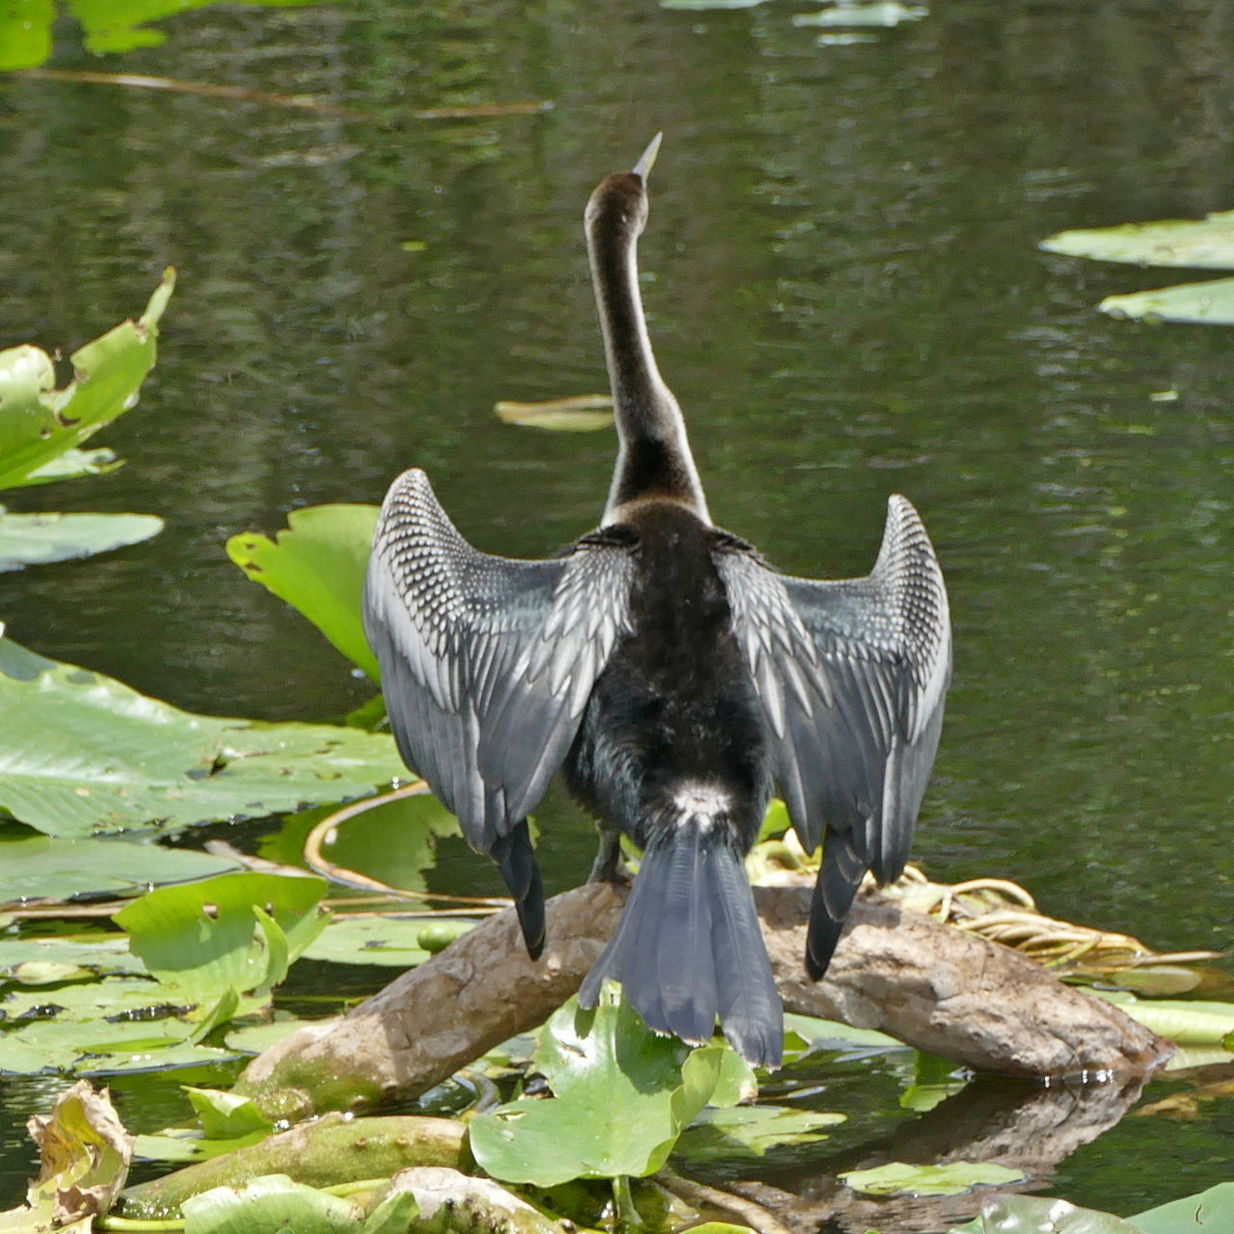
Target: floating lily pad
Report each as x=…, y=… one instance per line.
x=582, y=413
x=1210, y=1210
x=1208, y=303
x=97, y=955
x=268, y=1205
x=40, y=423
x=1026, y=1214
x=85, y=754
x=34, y=866
x=317, y=566
x=877, y=13
x=750, y=1130
x=1204, y=243
x=831, y=1034
x=37, y=539
x=382, y=938
x=954, y=1178
x=1184, y=1021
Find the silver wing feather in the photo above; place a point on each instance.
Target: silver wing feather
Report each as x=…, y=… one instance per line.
x=852, y=675
x=487, y=662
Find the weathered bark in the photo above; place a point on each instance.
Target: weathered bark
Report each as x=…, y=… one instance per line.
x=941, y=989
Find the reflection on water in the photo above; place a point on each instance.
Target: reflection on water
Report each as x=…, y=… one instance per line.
x=845, y=293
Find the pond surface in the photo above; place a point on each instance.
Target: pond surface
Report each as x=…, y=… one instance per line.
x=846, y=296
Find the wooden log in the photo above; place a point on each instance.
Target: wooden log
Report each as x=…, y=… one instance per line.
x=929, y=985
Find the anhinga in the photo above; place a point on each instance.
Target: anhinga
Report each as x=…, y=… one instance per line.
x=678, y=679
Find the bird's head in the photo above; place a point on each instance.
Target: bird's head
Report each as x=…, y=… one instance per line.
x=619, y=203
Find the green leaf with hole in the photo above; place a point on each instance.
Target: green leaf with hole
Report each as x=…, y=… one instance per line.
x=236, y=932
x=317, y=565
x=954, y=1178
x=622, y=1097
x=84, y=754
x=38, y=539
x=1206, y=243
x=39, y=423
x=35, y=866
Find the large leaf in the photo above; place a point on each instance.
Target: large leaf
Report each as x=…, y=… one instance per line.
x=623, y=1095
x=237, y=932
x=270, y=1205
x=1209, y=303
x=85, y=754
x=39, y=423
x=35, y=539
x=1205, y=1213
x=1205, y=243
x=36, y=866
x=317, y=565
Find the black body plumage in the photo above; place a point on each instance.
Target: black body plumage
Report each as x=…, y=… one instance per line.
x=678, y=680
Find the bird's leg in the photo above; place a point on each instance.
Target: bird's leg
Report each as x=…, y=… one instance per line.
x=609, y=865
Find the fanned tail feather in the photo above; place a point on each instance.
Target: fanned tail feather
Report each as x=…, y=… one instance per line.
x=689, y=948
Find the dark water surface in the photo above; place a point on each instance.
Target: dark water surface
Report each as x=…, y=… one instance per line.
x=846, y=296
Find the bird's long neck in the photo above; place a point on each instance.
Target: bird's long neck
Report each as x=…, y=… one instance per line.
x=653, y=456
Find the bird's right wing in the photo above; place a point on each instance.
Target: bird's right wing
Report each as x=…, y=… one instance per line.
x=487, y=662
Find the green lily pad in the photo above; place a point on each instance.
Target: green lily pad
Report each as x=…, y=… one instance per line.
x=813, y=1032
x=1208, y=1211
x=1183, y=1021
x=85, y=754
x=225, y=1116
x=1208, y=303
x=623, y=1095
x=270, y=1205
x=256, y=1038
x=203, y=939
x=36, y=866
x=583, y=413
x=98, y=954
x=1026, y=1214
x=37, y=539
x=954, y=1178
x=385, y=938
x=1206, y=243
x=749, y=1131
x=318, y=565
x=39, y=422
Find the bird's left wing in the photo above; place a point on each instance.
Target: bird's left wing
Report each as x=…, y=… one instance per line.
x=852, y=675
x=487, y=662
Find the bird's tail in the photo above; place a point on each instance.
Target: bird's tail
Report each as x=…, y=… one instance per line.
x=516, y=858
x=689, y=948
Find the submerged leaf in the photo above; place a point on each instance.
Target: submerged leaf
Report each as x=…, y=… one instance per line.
x=36, y=539
x=317, y=565
x=750, y=1130
x=85, y=754
x=954, y=1178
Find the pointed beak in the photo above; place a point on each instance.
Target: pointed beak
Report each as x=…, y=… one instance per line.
x=643, y=167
